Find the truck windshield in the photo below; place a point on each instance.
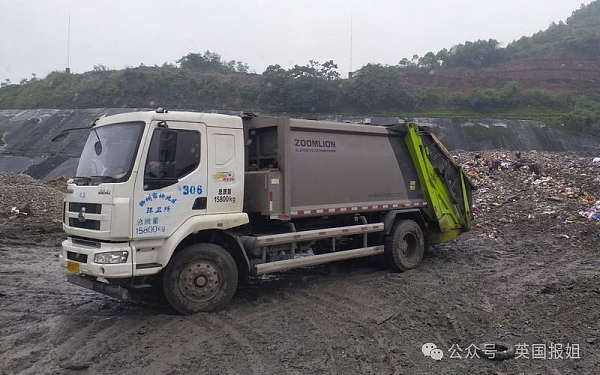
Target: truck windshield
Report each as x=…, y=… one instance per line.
x=108, y=153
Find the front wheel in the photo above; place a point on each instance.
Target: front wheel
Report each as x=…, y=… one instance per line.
x=405, y=246
x=201, y=277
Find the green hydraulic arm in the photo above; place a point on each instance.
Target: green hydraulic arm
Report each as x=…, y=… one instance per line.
x=451, y=214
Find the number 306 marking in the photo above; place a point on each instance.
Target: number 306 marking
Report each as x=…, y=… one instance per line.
x=192, y=189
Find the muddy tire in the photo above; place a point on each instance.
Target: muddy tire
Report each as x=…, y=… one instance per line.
x=405, y=246
x=202, y=277
x=496, y=351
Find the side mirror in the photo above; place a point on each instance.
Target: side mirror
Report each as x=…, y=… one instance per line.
x=98, y=147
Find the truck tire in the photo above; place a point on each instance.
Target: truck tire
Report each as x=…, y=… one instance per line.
x=496, y=351
x=405, y=246
x=200, y=278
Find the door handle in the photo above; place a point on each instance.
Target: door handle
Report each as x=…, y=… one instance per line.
x=199, y=204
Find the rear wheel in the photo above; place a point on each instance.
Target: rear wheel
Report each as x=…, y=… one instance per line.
x=202, y=277
x=405, y=246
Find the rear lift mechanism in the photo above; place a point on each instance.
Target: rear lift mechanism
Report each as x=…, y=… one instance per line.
x=452, y=213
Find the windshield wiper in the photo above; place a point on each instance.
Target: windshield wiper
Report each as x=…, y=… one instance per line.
x=63, y=134
x=85, y=179
x=105, y=178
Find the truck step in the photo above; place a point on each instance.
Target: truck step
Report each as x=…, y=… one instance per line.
x=318, y=234
x=287, y=264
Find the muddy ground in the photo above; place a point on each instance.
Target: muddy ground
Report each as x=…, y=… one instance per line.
x=528, y=273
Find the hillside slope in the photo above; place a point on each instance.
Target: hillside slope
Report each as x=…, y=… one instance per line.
x=555, y=74
x=565, y=57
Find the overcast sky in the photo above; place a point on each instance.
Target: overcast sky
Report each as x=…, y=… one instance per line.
x=33, y=33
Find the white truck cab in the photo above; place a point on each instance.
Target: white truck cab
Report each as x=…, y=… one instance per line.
x=146, y=181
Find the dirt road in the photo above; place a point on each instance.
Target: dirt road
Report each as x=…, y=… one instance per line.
x=529, y=273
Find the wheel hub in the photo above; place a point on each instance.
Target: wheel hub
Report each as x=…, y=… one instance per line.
x=200, y=280
x=408, y=246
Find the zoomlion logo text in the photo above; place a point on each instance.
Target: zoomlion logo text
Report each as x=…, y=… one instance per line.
x=314, y=145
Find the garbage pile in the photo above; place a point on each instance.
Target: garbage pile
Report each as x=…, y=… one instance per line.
x=592, y=213
x=22, y=195
x=517, y=187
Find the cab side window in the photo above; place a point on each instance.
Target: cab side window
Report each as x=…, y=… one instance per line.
x=172, y=154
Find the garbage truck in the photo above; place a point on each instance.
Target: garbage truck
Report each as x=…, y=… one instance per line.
x=197, y=203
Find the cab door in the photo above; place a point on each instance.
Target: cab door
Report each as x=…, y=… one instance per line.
x=225, y=170
x=171, y=182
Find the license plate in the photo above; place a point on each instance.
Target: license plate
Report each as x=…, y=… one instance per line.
x=73, y=266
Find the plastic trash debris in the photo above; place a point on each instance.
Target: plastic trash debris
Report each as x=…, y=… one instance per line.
x=592, y=213
x=22, y=209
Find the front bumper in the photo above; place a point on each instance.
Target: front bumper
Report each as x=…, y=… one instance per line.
x=84, y=257
x=113, y=291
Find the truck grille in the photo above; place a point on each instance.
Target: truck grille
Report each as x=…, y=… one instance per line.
x=81, y=258
x=90, y=208
x=88, y=224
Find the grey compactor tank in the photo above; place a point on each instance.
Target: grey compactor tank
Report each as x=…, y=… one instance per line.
x=315, y=168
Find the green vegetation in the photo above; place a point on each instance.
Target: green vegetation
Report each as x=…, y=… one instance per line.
x=206, y=81
x=211, y=62
x=469, y=55
x=313, y=88
x=579, y=35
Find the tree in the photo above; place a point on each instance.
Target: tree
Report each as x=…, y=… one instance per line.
x=429, y=98
x=510, y=95
x=404, y=63
x=376, y=87
x=305, y=71
x=275, y=71
x=442, y=56
x=315, y=69
x=302, y=88
x=100, y=68
x=329, y=71
x=207, y=62
x=275, y=89
x=210, y=62
x=475, y=54
x=428, y=61
x=415, y=59
x=484, y=99
x=241, y=67
x=582, y=119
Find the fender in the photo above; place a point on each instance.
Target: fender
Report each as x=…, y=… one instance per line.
x=415, y=214
x=200, y=223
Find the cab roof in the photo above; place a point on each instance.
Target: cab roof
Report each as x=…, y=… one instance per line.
x=210, y=119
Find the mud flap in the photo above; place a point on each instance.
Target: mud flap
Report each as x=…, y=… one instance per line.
x=113, y=291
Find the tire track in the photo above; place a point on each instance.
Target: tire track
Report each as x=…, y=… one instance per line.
x=254, y=360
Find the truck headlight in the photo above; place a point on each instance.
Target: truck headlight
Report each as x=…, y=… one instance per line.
x=111, y=257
